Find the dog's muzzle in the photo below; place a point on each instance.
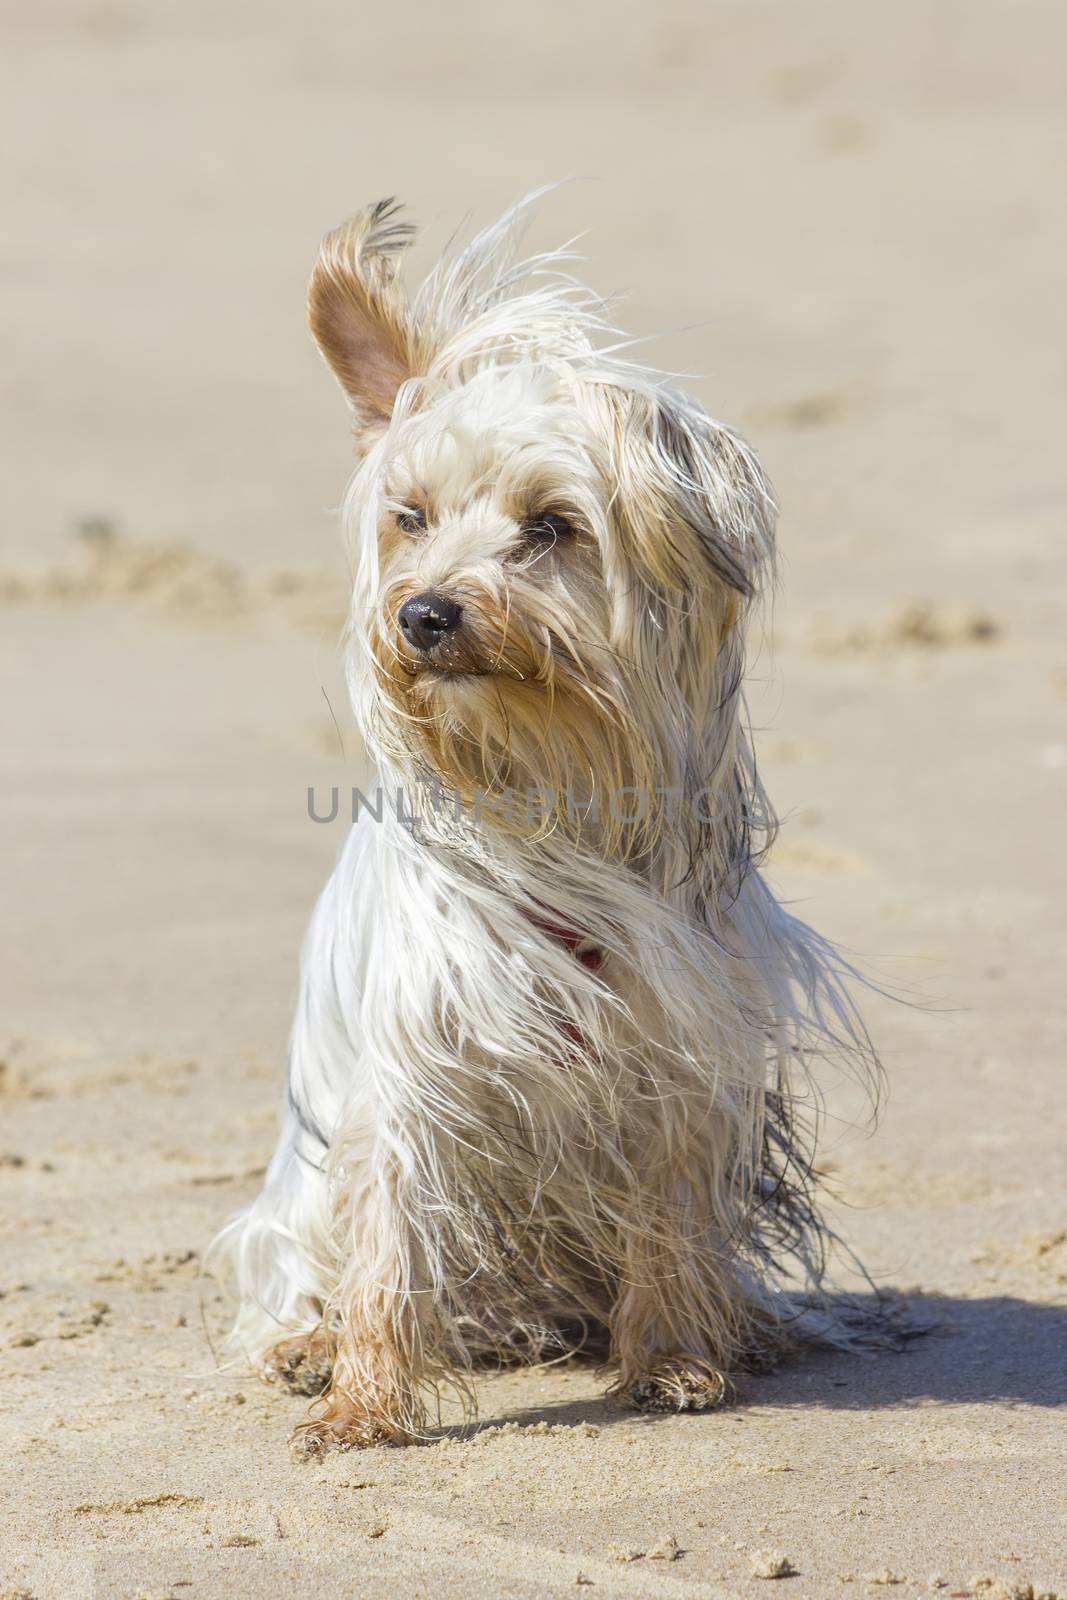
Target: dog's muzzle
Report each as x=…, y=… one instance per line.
x=428, y=621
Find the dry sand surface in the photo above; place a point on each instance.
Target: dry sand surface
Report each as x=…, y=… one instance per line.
x=856, y=212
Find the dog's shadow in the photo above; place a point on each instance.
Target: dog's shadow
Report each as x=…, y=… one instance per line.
x=953, y=1352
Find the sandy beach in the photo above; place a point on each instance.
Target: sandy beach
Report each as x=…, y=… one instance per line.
x=844, y=224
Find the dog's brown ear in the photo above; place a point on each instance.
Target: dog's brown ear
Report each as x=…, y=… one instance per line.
x=359, y=315
x=686, y=485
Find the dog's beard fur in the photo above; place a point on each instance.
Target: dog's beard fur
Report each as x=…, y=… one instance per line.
x=488, y=1143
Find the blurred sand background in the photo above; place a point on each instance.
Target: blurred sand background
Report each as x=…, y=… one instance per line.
x=847, y=221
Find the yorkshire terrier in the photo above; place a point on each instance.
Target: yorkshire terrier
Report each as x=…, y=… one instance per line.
x=549, y=1084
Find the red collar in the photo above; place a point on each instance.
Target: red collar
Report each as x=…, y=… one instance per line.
x=580, y=947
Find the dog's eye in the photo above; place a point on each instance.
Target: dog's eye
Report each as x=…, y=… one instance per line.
x=549, y=527
x=411, y=520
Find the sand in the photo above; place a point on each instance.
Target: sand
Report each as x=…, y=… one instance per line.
x=848, y=221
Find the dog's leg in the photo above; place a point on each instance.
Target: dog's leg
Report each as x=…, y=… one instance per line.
x=666, y=1362
x=384, y=1331
x=372, y=1397
x=673, y=1324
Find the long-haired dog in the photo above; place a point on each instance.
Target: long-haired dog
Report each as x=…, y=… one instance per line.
x=550, y=1077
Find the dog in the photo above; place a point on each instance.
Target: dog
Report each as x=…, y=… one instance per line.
x=550, y=1084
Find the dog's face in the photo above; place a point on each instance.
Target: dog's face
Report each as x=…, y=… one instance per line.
x=553, y=554
x=491, y=629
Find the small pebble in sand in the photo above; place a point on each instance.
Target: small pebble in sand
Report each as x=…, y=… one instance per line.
x=376, y=1530
x=582, y=1579
x=238, y=1541
x=885, y=1577
x=770, y=1564
x=665, y=1549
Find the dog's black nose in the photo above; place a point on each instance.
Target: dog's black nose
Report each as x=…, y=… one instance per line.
x=428, y=619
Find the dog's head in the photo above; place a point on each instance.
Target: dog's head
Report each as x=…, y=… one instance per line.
x=554, y=551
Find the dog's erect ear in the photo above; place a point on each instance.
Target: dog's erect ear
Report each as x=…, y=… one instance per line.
x=359, y=314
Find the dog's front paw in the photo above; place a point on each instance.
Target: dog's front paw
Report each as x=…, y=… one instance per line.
x=303, y=1364
x=344, y=1426
x=677, y=1383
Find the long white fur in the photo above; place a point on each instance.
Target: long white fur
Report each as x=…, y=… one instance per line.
x=484, y=1142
